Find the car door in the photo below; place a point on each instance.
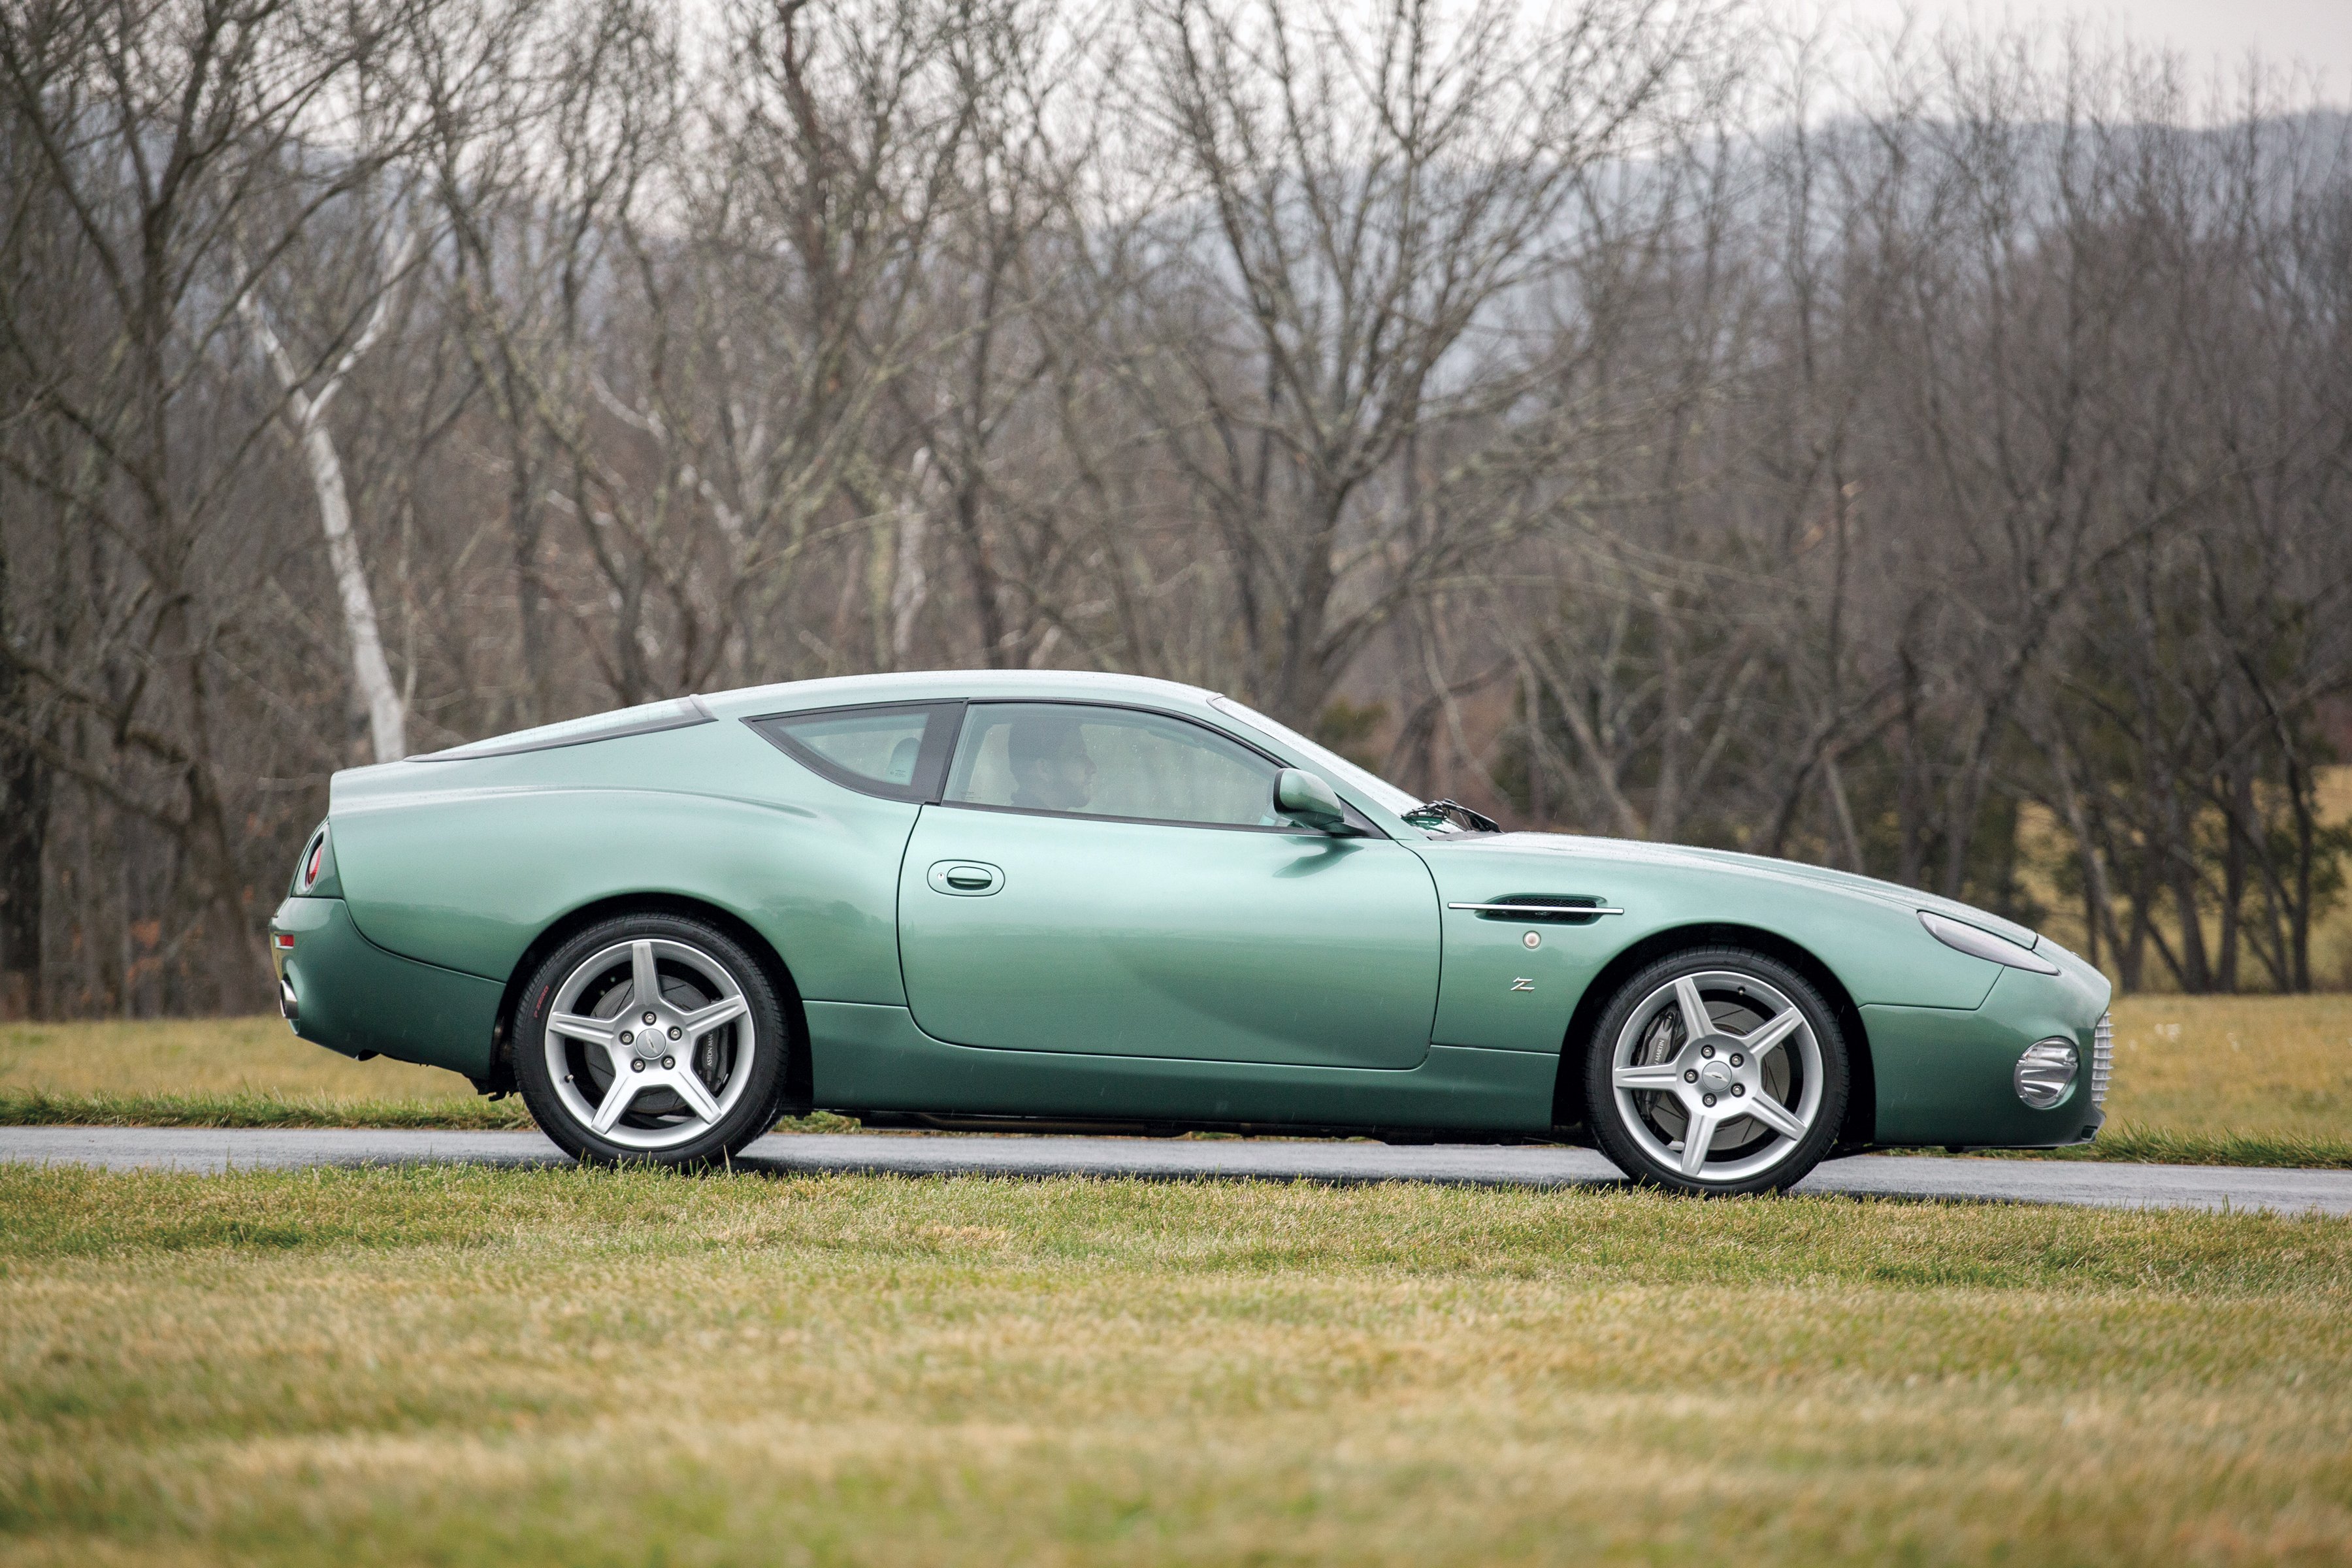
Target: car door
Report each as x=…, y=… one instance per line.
x=1113, y=881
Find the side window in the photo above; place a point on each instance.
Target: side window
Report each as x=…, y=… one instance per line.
x=1108, y=762
x=896, y=750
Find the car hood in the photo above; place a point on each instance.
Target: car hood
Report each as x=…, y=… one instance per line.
x=1636, y=852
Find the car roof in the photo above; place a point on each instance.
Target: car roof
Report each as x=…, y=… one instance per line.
x=952, y=685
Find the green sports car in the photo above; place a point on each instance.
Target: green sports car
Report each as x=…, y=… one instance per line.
x=1034, y=900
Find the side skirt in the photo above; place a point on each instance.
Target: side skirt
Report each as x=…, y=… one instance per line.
x=870, y=1058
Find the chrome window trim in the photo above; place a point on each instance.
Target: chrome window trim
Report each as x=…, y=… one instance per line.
x=1365, y=827
x=696, y=712
x=941, y=730
x=1130, y=821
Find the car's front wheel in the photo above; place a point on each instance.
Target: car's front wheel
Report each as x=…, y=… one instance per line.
x=1717, y=1071
x=650, y=1038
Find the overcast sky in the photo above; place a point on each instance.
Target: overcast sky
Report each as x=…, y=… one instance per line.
x=2315, y=34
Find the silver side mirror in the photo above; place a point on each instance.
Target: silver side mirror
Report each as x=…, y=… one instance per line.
x=1303, y=798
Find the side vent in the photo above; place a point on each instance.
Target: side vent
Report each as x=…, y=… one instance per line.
x=1542, y=909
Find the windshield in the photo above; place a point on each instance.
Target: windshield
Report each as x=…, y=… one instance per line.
x=1382, y=793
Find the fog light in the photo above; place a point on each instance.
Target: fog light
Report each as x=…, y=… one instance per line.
x=2045, y=1072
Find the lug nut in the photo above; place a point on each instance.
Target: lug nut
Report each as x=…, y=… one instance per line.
x=1739, y=1090
x=1690, y=1074
x=676, y=1033
x=1706, y=1050
x=1710, y=1099
x=669, y=1061
x=637, y=1064
x=649, y=1018
x=627, y=1039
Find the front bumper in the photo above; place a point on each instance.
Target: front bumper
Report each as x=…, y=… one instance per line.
x=341, y=991
x=1945, y=1076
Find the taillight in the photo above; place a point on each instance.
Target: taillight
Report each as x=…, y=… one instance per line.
x=285, y=944
x=313, y=863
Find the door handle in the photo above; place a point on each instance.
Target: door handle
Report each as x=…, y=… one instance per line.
x=965, y=878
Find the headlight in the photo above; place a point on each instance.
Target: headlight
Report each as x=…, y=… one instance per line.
x=1978, y=943
x=2045, y=1072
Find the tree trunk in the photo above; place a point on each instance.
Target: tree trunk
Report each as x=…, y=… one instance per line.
x=24, y=832
x=2239, y=822
x=909, y=586
x=535, y=704
x=387, y=716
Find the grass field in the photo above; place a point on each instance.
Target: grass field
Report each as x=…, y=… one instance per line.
x=205, y=1055
x=2252, y=1081
x=2230, y=1079
x=222, y=1072
x=461, y=1366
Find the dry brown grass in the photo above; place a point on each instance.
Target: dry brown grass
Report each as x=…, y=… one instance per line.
x=2262, y=1066
x=469, y=1367
x=203, y=1056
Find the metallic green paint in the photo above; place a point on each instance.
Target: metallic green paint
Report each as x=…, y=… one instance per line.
x=1867, y=932
x=356, y=998
x=1119, y=969
x=1944, y=1076
x=468, y=877
x=1156, y=940
x=875, y=1059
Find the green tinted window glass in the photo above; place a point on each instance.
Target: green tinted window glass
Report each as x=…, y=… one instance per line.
x=1108, y=762
x=883, y=747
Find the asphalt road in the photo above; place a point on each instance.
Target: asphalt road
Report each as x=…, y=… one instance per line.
x=1870, y=1175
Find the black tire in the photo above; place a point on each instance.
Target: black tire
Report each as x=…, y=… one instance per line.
x=738, y=1064
x=1803, y=1073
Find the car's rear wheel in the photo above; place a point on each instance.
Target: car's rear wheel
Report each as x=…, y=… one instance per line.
x=1716, y=1070
x=652, y=1038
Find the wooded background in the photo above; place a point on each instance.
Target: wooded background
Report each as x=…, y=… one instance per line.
x=1931, y=456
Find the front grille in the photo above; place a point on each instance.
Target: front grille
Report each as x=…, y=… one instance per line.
x=2102, y=1059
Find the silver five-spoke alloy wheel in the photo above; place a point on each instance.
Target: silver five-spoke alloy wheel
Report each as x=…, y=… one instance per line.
x=649, y=1043
x=1717, y=1076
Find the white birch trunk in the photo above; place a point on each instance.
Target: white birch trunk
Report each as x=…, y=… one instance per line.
x=387, y=714
x=909, y=586
x=387, y=710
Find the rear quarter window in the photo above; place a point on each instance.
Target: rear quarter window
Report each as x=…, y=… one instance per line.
x=898, y=751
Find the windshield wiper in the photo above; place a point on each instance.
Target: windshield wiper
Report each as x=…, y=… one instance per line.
x=1442, y=813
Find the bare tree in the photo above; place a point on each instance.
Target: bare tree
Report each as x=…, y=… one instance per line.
x=1362, y=204
x=1932, y=464
x=305, y=410
x=155, y=136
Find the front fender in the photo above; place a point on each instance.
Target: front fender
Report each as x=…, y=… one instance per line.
x=1878, y=952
